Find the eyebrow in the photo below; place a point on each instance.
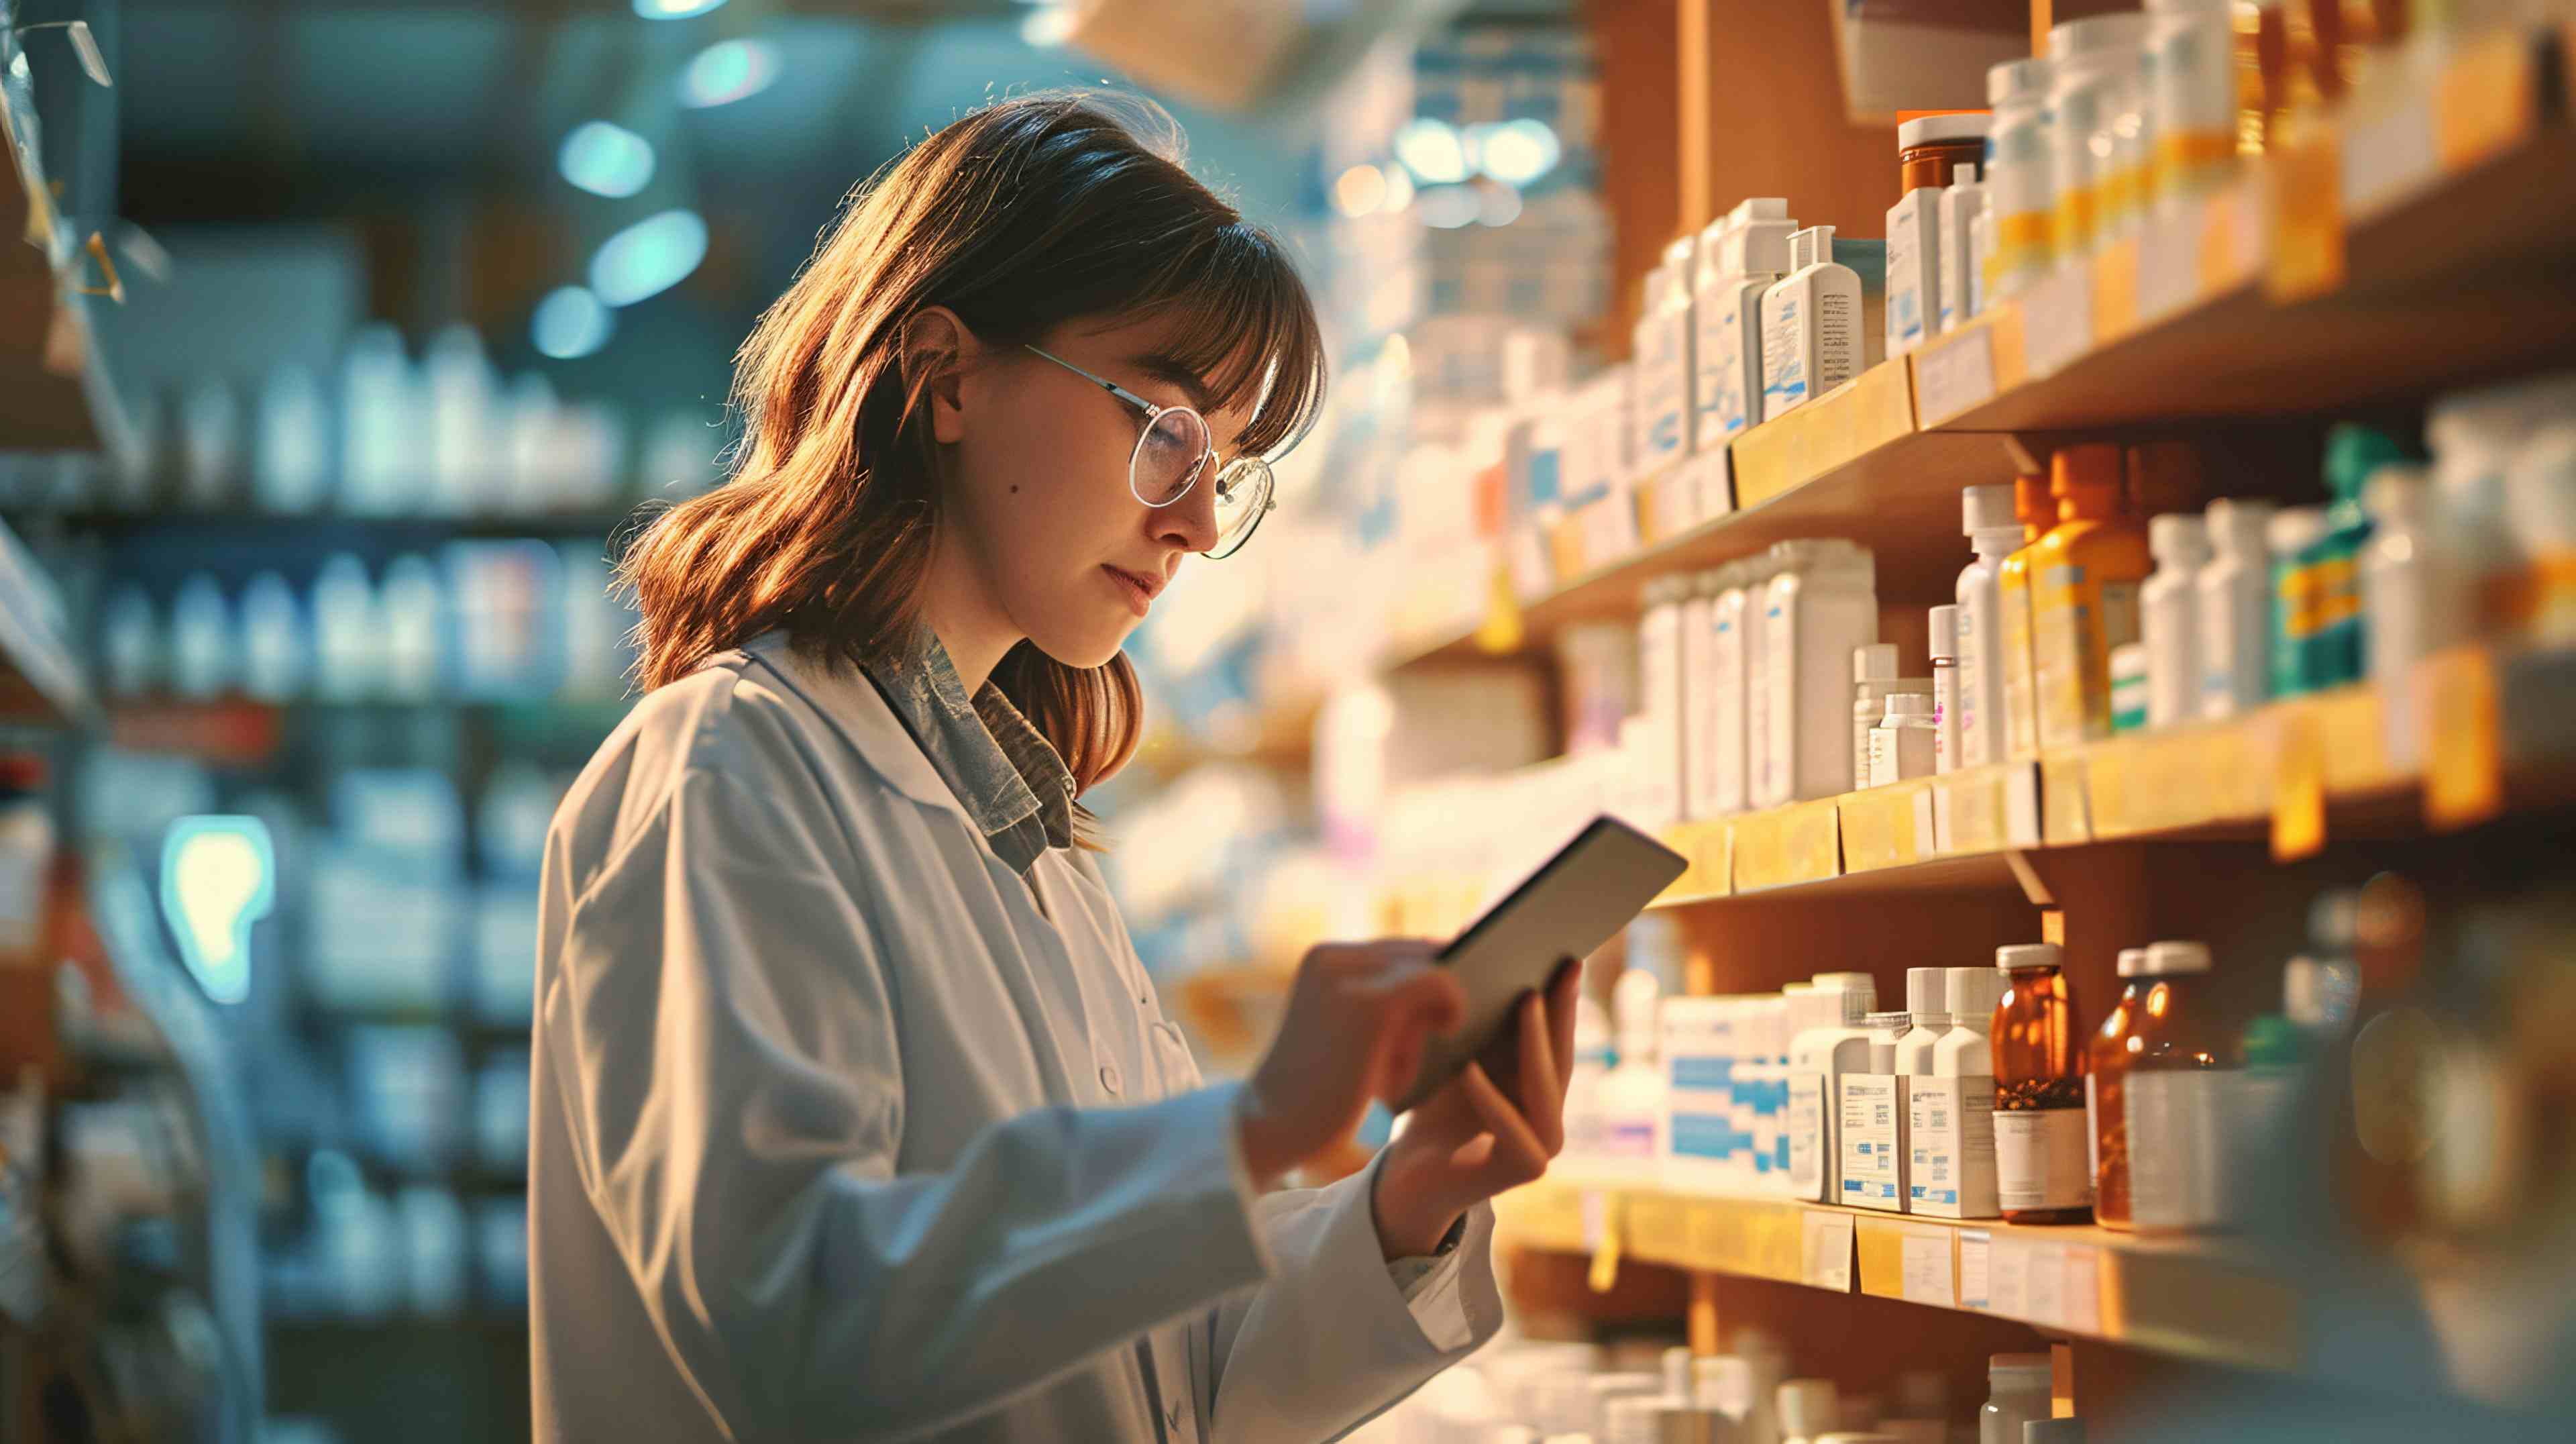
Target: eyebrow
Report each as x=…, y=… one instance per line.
x=1173, y=371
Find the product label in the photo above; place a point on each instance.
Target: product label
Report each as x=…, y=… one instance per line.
x=2021, y=716
x=1726, y=708
x=2058, y=621
x=1873, y=1141
x=2092, y=1133
x=1663, y=376
x=1810, y=1138
x=1950, y=1146
x=1729, y=356
x=1976, y=742
x=2177, y=1152
x=1630, y=1139
x=1784, y=368
x=1882, y=757
x=1837, y=339
x=1773, y=784
x=1945, y=717
x=2040, y=1159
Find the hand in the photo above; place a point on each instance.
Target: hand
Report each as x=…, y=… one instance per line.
x=1359, y=1017
x=1495, y=1126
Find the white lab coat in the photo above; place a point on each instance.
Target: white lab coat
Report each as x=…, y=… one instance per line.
x=836, y=1136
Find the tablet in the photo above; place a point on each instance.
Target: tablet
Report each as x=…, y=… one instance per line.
x=1568, y=908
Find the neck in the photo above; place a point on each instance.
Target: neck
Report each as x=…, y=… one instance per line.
x=961, y=613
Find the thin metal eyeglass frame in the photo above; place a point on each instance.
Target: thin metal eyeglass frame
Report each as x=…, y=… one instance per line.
x=1152, y=412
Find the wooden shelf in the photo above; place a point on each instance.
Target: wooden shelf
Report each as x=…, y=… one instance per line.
x=2211, y=1298
x=2458, y=270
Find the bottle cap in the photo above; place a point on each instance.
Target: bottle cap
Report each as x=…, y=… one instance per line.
x=2398, y=492
x=2016, y=957
x=2178, y=539
x=2164, y=959
x=1909, y=704
x=2238, y=527
x=1986, y=508
x=1760, y=248
x=2354, y=452
x=1927, y=129
x=2019, y=1368
x=1758, y=208
x=1874, y=661
x=2052, y=1431
x=1724, y=1383
x=1846, y=982
x=1945, y=634
x=2016, y=80
x=1806, y=1407
x=2133, y=961
x=2030, y=501
x=1973, y=994
x=2295, y=530
x=1926, y=990
x=2095, y=36
x=2094, y=464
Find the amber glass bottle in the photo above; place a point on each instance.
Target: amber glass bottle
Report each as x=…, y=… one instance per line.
x=2042, y=1171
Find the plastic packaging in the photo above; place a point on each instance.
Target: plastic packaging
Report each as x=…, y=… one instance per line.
x=1830, y=1042
x=1740, y=257
x=2299, y=596
x=1659, y=693
x=2191, y=68
x=2013, y=593
x=1733, y=610
x=2020, y=203
x=2177, y=1093
x=2129, y=687
x=1663, y=414
x=2085, y=576
x=1927, y=1009
x=2040, y=1138
x=2092, y=67
x=1904, y=744
x=2407, y=597
x=1872, y=1135
x=1821, y=604
x=2169, y=617
x=1632, y=1096
x=1944, y=646
x=2235, y=609
x=1950, y=1113
x=1994, y=533
x=1930, y=149
x=1959, y=208
x=1811, y=325
x=2019, y=1386
x=2106, y=1118
x=1873, y=679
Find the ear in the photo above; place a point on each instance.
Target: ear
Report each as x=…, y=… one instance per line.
x=938, y=349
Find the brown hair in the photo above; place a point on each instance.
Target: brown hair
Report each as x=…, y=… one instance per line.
x=1018, y=217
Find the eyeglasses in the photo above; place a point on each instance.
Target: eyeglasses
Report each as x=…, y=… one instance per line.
x=1171, y=453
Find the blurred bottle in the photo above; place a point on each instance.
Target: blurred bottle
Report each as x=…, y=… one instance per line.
x=275, y=654
x=130, y=644
x=2178, y=1083
x=350, y=640
x=380, y=450
x=204, y=654
x=415, y=630
x=2041, y=1158
x=291, y=458
x=210, y=447
x=27, y=845
x=457, y=386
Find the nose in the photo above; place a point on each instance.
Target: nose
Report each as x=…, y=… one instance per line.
x=1189, y=523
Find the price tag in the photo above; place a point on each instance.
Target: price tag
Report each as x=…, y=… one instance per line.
x=2227, y=245
x=1929, y=1275
x=1827, y=1250
x=2057, y=320
x=1601, y=1236
x=1954, y=375
x=1927, y=829
x=2298, y=783
x=1974, y=1246
x=2044, y=1272
x=2115, y=291
x=2009, y=1279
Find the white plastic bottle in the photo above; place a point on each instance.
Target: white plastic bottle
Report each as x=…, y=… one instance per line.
x=1663, y=415
x=205, y=651
x=1770, y=1078
x=1741, y=257
x=1698, y=704
x=1733, y=612
x=1873, y=675
x=1944, y=645
x=2191, y=70
x=1659, y=689
x=1758, y=575
x=1831, y=1042
x=2019, y=1385
x=1914, y=237
x=1927, y=1009
x=1593, y=1057
x=1822, y=603
x=1632, y=1096
x=2019, y=201
x=2409, y=607
x=2169, y=618
x=1901, y=747
x=1808, y=1410
x=2235, y=606
x=2092, y=63
x=1992, y=529
x=1811, y=337
x=1961, y=204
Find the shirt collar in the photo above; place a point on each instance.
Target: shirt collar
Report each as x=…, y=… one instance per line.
x=1009, y=778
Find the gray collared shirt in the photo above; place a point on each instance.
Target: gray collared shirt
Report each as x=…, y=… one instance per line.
x=1005, y=772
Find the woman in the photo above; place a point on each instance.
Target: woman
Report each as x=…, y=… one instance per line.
x=855, y=1116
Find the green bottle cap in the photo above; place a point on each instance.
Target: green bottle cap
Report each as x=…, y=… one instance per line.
x=2273, y=1041
x=2353, y=454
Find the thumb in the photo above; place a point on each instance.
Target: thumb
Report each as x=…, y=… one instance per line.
x=1423, y=995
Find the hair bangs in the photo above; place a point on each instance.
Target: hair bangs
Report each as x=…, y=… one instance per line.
x=1244, y=324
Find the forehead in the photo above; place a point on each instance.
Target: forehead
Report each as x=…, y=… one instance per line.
x=1164, y=357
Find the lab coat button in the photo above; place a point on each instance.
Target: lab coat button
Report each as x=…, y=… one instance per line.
x=1109, y=1077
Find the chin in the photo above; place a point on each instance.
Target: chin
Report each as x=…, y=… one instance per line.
x=1084, y=647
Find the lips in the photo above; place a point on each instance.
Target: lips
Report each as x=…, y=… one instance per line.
x=1139, y=591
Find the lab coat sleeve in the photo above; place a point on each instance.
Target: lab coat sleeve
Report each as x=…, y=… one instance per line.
x=738, y=1098
x=1331, y=1340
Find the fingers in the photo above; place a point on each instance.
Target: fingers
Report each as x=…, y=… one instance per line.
x=1423, y=992
x=1541, y=1093
x=1561, y=1006
x=1517, y=1153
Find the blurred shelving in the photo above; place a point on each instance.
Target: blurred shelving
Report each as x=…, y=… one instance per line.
x=40, y=678
x=2274, y=296
x=304, y=529
x=244, y=732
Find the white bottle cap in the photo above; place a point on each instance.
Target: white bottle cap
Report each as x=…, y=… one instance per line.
x=2295, y=530
x=2239, y=527
x=1760, y=248
x=2019, y=1368
x=1987, y=508
x=2178, y=539
x=1909, y=704
x=1806, y=1407
x=1724, y=1383
x=1962, y=175
x=1973, y=993
x=1926, y=991
x=2096, y=36
x=1861, y=984
x=1925, y=129
x=2164, y=959
x=1758, y=208
x=2133, y=961
x=1945, y=634
x=2015, y=956
x=2015, y=80
x=1874, y=661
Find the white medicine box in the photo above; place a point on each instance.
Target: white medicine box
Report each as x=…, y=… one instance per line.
x=1950, y=1155
x=1874, y=1136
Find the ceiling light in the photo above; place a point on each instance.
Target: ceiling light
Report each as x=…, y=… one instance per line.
x=606, y=160
x=648, y=257
x=728, y=71
x=570, y=323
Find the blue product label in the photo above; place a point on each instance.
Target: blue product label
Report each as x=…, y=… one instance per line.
x=1705, y=1073
x=1851, y=1186
x=1701, y=1135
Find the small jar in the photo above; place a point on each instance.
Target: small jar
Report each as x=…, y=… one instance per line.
x=1928, y=146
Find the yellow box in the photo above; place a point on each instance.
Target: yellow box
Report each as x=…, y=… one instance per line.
x=1881, y=827
x=1801, y=842
x=2063, y=816
x=1974, y=809
x=1711, y=872
x=1874, y=408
